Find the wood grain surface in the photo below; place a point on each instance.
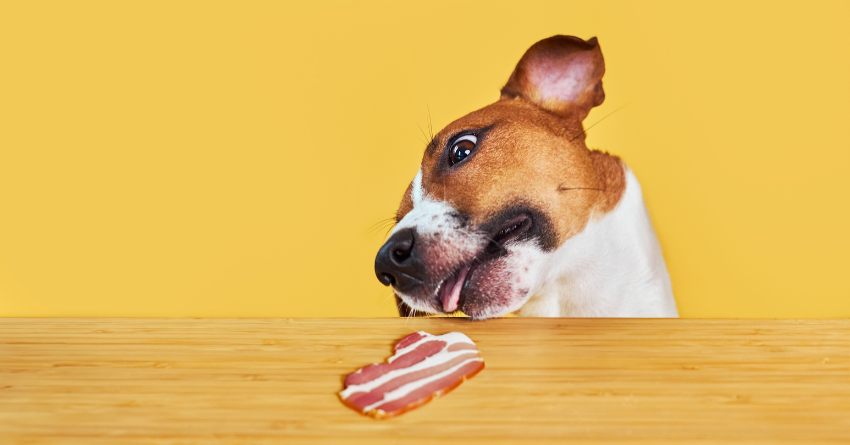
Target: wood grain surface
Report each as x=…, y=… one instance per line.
x=275, y=381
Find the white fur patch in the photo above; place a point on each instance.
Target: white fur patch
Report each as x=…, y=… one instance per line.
x=613, y=268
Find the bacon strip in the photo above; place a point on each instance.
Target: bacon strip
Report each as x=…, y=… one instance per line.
x=424, y=367
x=371, y=372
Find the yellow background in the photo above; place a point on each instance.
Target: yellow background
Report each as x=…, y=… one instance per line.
x=229, y=159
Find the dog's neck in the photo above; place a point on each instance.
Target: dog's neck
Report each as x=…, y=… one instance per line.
x=613, y=268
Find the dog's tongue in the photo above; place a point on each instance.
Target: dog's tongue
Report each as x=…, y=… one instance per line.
x=450, y=293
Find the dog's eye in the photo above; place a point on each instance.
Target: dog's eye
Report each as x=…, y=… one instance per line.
x=462, y=148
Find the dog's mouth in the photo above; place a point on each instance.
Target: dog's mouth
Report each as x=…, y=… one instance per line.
x=453, y=290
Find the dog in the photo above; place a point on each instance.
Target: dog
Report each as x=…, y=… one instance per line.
x=510, y=212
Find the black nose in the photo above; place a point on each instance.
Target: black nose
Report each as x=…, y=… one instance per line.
x=396, y=263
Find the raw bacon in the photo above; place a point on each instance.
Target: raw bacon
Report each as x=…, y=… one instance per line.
x=423, y=367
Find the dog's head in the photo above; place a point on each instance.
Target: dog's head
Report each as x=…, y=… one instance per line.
x=500, y=189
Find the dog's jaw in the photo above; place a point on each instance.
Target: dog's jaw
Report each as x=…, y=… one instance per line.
x=494, y=286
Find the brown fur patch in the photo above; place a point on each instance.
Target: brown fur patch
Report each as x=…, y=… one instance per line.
x=528, y=155
x=611, y=177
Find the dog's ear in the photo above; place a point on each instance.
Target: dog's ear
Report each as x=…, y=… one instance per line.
x=562, y=74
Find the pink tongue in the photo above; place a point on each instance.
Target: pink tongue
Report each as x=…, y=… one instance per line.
x=450, y=294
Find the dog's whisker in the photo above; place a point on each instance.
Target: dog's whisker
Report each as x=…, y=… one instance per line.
x=427, y=139
x=600, y=120
x=389, y=230
x=380, y=224
x=487, y=237
x=430, y=127
x=566, y=189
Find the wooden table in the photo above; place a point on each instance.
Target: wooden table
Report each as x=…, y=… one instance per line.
x=274, y=381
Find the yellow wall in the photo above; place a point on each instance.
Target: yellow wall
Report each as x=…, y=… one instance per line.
x=229, y=159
